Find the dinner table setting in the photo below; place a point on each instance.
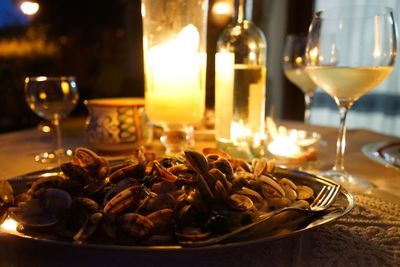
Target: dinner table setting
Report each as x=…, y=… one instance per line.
x=368, y=235
x=161, y=180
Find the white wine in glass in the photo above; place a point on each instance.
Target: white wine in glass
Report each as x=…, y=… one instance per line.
x=348, y=84
x=52, y=98
x=350, y=51
x=294, y=64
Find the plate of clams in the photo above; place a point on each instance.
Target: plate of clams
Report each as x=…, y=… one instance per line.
x=152, y=203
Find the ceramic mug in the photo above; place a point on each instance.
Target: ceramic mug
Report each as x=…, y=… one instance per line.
x=116, y=124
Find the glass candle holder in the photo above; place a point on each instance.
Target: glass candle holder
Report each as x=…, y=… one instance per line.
x=174, y=43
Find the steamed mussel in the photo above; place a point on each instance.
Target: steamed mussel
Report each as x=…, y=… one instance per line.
x=149, y=199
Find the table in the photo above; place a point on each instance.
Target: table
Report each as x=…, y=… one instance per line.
x=368, y=236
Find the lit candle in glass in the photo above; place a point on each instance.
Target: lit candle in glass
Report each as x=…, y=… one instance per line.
x=292, y=144
x=174, y=93
x=174, y=43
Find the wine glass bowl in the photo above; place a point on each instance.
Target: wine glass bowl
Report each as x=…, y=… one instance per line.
x=294, y=63
x=52, y=98
x=350, y=50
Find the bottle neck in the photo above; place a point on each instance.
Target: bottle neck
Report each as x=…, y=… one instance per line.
x=243, y=10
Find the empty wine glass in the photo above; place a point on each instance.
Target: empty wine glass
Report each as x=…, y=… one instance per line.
x=52, y=98
x=294, y=64
x=350, y=51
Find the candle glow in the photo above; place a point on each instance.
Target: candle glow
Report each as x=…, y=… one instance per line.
x=239, y=132
x=224, y=82
x=175, y=79
x=284, y=146
x=290, y=143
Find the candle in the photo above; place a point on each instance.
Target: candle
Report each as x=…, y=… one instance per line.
x=239, y=132
x=224, y=82
x=175, y=79
x=293, y=143
x=284, y=146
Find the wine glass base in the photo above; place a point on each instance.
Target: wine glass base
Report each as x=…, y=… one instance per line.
x=56, y=156
x=349, y=182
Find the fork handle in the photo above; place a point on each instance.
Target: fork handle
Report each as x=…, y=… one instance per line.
x=263, y=218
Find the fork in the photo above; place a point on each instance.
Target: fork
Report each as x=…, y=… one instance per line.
x=323, y=201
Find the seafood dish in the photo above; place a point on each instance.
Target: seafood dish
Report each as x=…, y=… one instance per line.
x=149, y=199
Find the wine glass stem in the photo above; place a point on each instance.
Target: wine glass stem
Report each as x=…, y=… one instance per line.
x=56, y=123
x=341, y=139
x=308, y=98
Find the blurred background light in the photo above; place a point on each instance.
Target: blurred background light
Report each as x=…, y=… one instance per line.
x=222, y=12
x=29, y=8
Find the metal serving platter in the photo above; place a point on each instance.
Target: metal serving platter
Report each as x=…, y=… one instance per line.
x=343, y=204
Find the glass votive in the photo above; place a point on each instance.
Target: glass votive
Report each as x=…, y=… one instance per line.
x=294, y=146
x=174, y=47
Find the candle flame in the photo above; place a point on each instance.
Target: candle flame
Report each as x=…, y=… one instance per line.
x=290, y=143
x=284, y=146
x=239, y=132
x=175, y=73
x=188, y=39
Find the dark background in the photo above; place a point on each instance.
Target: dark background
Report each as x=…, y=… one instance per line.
x=100, y=43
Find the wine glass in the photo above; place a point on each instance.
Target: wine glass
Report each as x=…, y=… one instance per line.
x=350, y=50
x=294, y=64
x=52, y=98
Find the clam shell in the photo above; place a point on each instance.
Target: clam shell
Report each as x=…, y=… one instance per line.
x=197, y=161
x=259, y=166
x=279, y=202
x=128, y=198
x=304, y=192
x=118, y=187
x=32, y=214
x=218, y=175
x=98, y=167
x=164, y=173
x=135, y=224
x=224, y=166
x=253, y=195
x=55, y=201
x=162, y=219
x=289, y=187
x=45, y=182
x=269, y=187
x=160, y=201
x=214, y=151
x=240, y=202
